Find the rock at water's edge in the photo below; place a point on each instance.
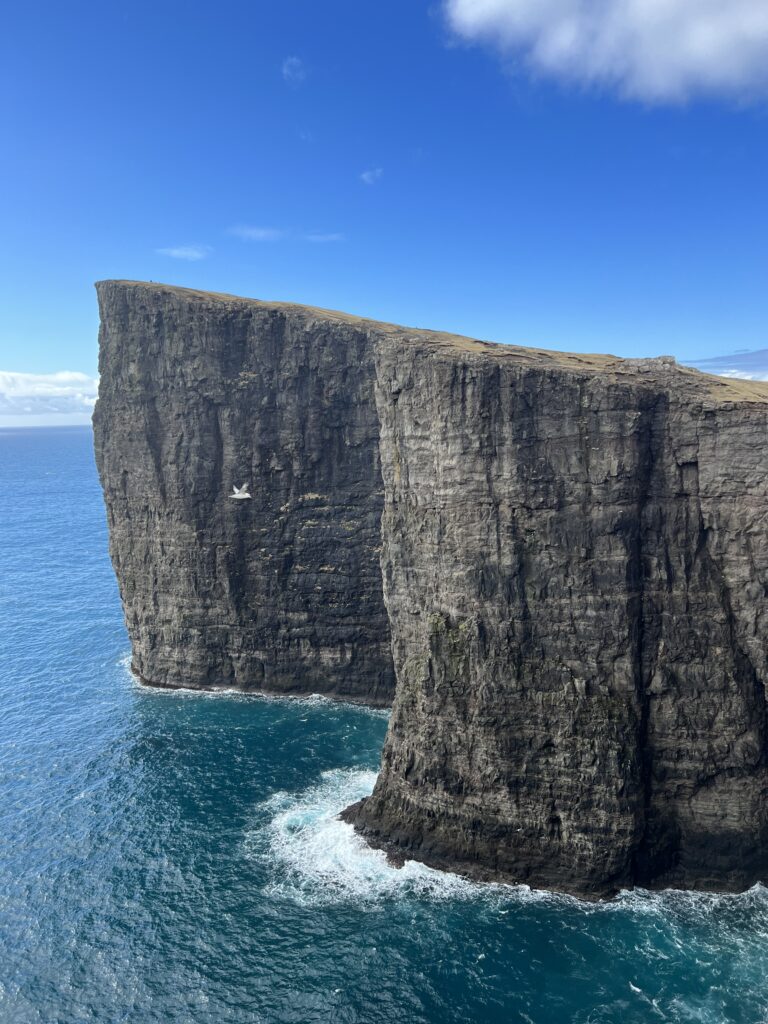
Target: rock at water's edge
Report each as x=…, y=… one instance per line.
x=576, y=573
x=573, y=563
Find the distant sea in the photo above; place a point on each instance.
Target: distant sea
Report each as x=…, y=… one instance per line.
x=172, y=857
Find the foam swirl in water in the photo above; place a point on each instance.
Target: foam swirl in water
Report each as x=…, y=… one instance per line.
x=317, y=858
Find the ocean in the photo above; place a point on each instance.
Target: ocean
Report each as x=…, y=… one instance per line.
x=176, y=857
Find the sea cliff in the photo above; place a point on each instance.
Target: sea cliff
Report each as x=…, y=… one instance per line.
x=575, y=568
x=573, y=563
x=200, y=393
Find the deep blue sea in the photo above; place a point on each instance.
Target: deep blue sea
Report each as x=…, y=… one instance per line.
x=174, y=857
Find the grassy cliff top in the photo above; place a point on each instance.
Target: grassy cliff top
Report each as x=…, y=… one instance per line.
x=663, y=371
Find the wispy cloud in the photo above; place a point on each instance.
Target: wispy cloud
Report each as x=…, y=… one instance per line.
x=191, y=253
x=740, y=374
x=294, y=70
x=37, y=398
x=372, y=176
x=250, y=233
x=652, y=50
x=742, y=365
x=332, y=236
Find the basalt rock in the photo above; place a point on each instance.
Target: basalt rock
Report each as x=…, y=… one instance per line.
x=280, y=593
x=575, y=566
x=573, y=562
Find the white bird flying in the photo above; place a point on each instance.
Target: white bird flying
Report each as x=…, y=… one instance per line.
x=240, y=493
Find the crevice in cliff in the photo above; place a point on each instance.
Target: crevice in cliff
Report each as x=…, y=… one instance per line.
x=155, y=444
x=746, y=672
x=645, y=859
x=218, y=484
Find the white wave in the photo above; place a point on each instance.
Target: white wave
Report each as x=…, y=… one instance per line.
x=314, y=858
x=233, y=694
x=691, y=904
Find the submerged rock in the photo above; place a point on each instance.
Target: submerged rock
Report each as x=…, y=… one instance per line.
x=574, y=566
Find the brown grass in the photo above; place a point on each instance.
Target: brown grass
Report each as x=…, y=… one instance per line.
x=706, y=386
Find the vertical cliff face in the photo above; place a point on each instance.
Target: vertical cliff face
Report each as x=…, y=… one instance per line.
x=573, y=559
x=575, y=569
x=279, y=593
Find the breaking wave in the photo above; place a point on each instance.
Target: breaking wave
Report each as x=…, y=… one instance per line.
x=316, y=858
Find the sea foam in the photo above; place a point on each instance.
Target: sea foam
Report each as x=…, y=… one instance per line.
x=230, y=693
x=315, y=858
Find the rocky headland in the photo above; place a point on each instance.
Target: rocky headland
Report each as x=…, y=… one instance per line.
x=573, y=560
x=200, y=393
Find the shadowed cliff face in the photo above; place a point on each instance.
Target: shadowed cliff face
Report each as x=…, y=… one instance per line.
x=281, y=593
x=574, y=569
x=573, y=560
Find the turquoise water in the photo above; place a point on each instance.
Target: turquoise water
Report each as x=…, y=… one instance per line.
x=175, y=857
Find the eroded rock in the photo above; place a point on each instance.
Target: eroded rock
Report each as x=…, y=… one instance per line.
x=574, y=565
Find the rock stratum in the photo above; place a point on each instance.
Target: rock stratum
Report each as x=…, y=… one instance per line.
x=200, y=393
x=573, y=564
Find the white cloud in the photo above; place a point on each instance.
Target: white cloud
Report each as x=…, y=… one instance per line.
x=40, y=398
x=372, y=176
x=741, y=375
x=741, y=365
x=331, y=236
x=654, y=50
x=186, y=252
x=294, y=70
x=256, y=234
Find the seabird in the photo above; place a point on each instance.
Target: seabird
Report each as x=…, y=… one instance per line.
x=240, y=493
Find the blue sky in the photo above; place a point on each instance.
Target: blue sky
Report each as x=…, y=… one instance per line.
x=523, y=172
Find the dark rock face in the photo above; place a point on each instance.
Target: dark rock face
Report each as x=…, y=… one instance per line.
x=281, y=593
x=573, y=560
x=575, y=567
